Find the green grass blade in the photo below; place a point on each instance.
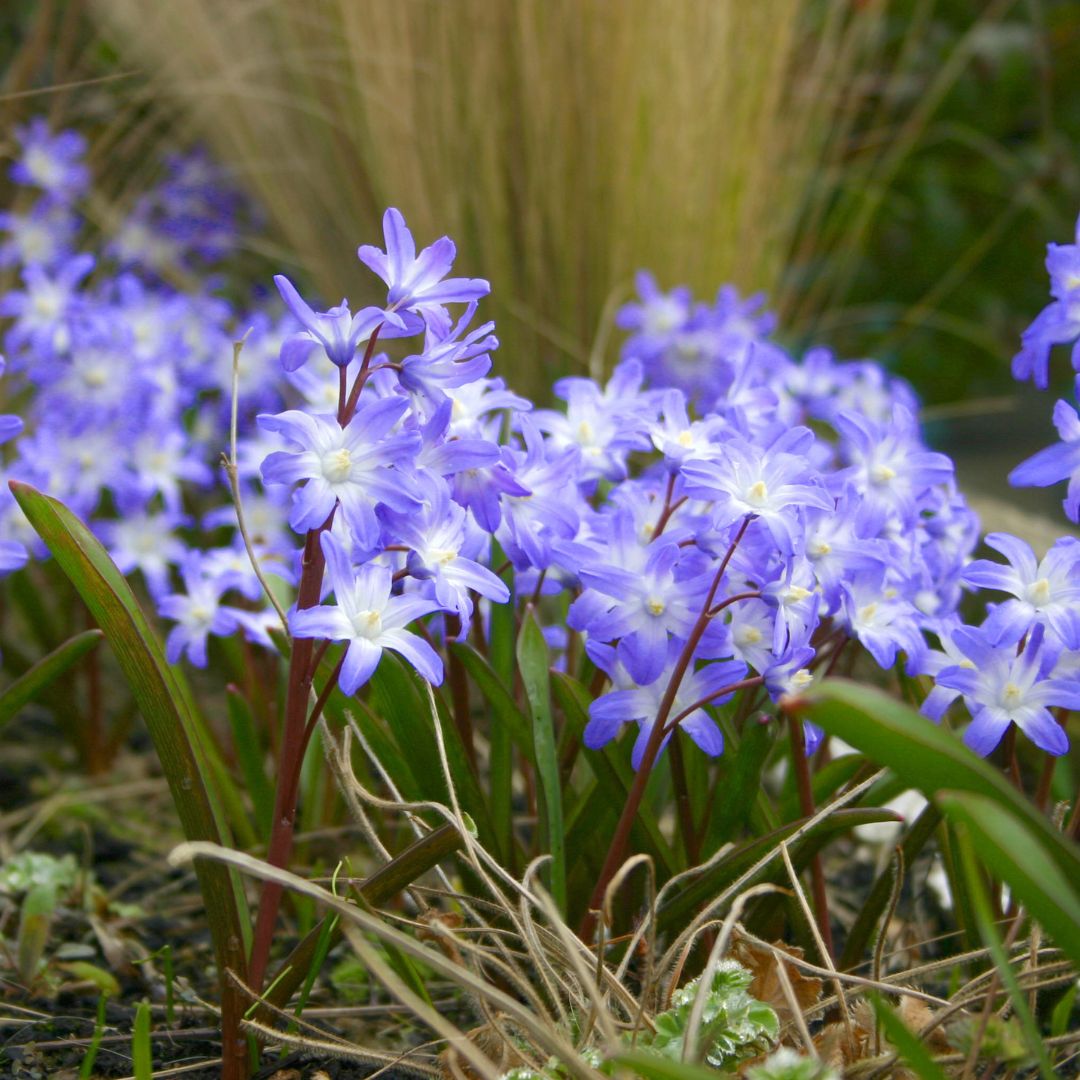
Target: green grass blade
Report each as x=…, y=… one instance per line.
x=86, y=1069
x=926, y=756
x=42, y=675
x=532, y=657
x=166, y=708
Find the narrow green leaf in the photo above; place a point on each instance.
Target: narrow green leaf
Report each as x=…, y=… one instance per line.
x=657, y=1067
x=142, y=1055
x=507, y=712
x=469, y=792
x=165, y=704
x=614, y=776
x=532, y=658
x=35, y=919
x=980, y=903
x=248, y=747
x=85, y=972
x=44, y=673
x=676, y=911
x=1017, y=857
x=396, y=699
x=384, y=884
x=908, y=1045
x=86, y=1069
x=741, y=786
x=869, y=917
x=926, y=756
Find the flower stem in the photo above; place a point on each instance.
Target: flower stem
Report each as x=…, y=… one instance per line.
x=660, y=728
x=801, y=765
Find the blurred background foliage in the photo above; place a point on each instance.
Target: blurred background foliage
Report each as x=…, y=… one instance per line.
x=889, y=171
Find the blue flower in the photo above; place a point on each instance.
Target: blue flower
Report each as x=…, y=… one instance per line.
x=1001, y=688
x=445, y=544
x=198, y=612
x=369, y=617
x=50, y=162
x=1056, y=463
x=1046, y=592
x=645, y=604
x=641, y=704
x=772, y=484
x=337, y=331
x=354, y=465
x=1059, y=322
x=418, y=283
x=449, y=361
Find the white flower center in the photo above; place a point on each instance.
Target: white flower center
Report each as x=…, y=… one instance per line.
x=757, y=494
x=795, y=594
x=47, y=303
x=801, y=679
x=748, y=635
x=882, y=474
x=337, y=466
x=367, y=624
x=819, y=549
x=1011, y=695
x=1038, y=592
x=655, y=606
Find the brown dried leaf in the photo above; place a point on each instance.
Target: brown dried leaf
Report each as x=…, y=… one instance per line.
x=766, y=986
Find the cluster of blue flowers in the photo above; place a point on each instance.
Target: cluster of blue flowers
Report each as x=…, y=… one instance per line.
x=718, y=515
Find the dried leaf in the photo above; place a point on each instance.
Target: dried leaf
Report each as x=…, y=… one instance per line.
x=762, y=963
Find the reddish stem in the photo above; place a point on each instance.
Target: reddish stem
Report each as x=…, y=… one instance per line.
x=621, y=837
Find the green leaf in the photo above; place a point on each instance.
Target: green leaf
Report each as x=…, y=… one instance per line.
x=741, y=785
x=908, y=1045
x=980, y=903
x=507, y=712
x=83, y=971
x=46, y=671
x=396, y=699
x=926, y=756
x=1019, y=858
x=870, y=914
x=248, y=747
x=654, y=1067
x=35, y=918
x=180, y=739
x=677, y=911
x=532, y=658
x=142, y=1056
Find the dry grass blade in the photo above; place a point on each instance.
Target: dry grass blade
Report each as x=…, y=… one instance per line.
x=562, y=144
x=357, y=923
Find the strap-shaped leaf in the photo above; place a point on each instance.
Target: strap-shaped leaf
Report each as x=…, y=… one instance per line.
x=532, y=658
x=1019, y=858
x=166, y=706
x=44, y=673
x=927, y=757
